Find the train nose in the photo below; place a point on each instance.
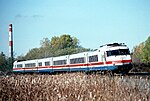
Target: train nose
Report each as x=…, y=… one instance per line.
x=124, y=59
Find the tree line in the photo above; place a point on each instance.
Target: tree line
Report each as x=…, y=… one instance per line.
x=5, y=65
x=141, y=56
x=66, y=45
x=141, y=53
x=57, y=46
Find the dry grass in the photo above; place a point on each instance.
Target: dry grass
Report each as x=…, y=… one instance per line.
x=74, y=87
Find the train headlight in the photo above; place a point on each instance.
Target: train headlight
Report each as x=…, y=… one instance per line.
x=113, y=63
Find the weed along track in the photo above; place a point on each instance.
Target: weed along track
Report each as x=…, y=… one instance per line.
x=74, y=87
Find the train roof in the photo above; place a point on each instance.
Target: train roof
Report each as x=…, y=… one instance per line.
x=113, y=45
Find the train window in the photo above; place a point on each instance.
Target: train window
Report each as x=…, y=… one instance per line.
x=47, y=63
x=93, y=58
x=30, y=65
x=118, y=52
x=124, y=51
x=60, y=62
x=109, y=53
x=19, y=65
x=40, y=64
x=113, y=53
x=77, y=60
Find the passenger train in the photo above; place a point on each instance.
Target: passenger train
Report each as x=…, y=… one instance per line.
x=113, y=57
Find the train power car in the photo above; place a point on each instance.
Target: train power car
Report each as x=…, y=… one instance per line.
x=113, y=57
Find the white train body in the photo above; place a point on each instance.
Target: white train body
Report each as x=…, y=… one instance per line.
x=115, y=57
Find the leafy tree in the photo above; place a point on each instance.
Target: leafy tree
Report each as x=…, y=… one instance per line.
x=3, y=62
x=45, y=49
x=75, y=42
x=21, y=57
x=64, y=45
x=141, y=53
x=146, y=51
x=45, y=42
x=55, y=42
x=137, y=53
x=64, y=41
x=57, y=46
x=32, y=54
x=5, y=65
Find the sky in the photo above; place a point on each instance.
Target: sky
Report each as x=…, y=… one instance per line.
x=93, y=22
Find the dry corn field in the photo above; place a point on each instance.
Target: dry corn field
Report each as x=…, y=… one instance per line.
x=74, y=87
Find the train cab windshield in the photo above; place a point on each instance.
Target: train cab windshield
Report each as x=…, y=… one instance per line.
x=118, y=52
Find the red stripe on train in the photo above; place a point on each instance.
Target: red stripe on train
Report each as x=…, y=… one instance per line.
x=119, y=61
x=76, y=65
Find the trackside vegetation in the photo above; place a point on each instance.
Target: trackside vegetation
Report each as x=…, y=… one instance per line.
x=141, y=56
